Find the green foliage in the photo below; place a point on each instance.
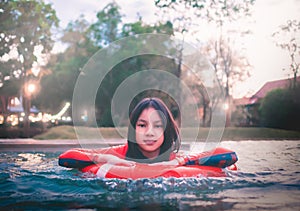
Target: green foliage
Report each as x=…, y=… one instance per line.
x=281, y=109
x=105, y=29
x=122, y=71
x=24, y=26
x=27, y=24
x=83, y=41
x=58, y=87
x=11, y=88
x=139, y=27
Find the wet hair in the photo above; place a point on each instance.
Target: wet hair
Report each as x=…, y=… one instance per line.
x=172, y=138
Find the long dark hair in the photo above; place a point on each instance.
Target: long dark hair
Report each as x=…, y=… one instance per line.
x=172, y=138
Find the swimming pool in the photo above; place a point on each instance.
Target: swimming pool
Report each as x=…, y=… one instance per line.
x=268, y=179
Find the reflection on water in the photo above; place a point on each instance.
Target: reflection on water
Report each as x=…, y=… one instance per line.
x=267, y=179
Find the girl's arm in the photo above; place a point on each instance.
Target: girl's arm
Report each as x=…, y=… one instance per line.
x=111, y=159
x=80, y=158
x=174, y=162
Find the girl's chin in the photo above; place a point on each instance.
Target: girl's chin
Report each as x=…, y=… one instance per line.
x=149, y=148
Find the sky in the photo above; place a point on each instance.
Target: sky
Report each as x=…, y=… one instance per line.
x=269, y=61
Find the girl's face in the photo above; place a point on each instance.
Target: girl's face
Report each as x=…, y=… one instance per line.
x=149, y=132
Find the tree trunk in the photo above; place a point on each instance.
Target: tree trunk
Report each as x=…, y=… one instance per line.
x=26, y=106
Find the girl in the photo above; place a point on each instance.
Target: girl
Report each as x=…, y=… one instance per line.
x=153, y=136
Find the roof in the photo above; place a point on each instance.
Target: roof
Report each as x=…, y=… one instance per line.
x=271, y=85
x=264, y=90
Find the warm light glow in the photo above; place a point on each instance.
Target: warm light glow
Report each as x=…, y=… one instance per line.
x=61, y=112
x=31, y=88
x=13, y=119
x=225, y=106
x=46, y=117
x=36, y=118
x=66, y=118
x=1, y=119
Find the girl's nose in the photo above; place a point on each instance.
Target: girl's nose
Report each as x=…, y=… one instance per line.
x=149, y=131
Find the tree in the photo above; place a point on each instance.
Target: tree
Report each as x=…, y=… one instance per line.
x=224, y=16
x=281, y=109
x=25, y=28
x=128, y=67
x=106, y=29
x=230, y=67
x=83, y=40
x=139, y=27
x=287, y=37
x=66, y=66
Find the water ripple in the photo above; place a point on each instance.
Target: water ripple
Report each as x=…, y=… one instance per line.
x=268, y=173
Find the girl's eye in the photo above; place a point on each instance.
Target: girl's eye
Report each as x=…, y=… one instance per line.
x=158, y=126
x=141, y=125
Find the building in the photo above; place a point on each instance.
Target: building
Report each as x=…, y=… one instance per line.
x=247, y=108
x=12, y=112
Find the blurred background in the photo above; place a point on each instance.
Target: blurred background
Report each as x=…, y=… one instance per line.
x=253, y=48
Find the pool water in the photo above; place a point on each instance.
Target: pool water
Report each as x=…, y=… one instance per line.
x=268, y=179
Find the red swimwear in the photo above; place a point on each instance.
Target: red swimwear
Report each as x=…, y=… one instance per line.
x=120, y=151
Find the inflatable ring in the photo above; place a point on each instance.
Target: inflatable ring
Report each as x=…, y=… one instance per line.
x=205, y=164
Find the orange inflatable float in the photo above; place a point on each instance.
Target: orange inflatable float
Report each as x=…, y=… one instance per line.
x=206, y=164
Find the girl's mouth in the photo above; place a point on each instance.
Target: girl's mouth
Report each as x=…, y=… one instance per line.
x=149, y=142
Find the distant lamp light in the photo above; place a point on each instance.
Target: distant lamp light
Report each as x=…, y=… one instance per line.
x=58, y=116
x=1, y=119
x=31, y=88
x=226, y=106
x=13, y=120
